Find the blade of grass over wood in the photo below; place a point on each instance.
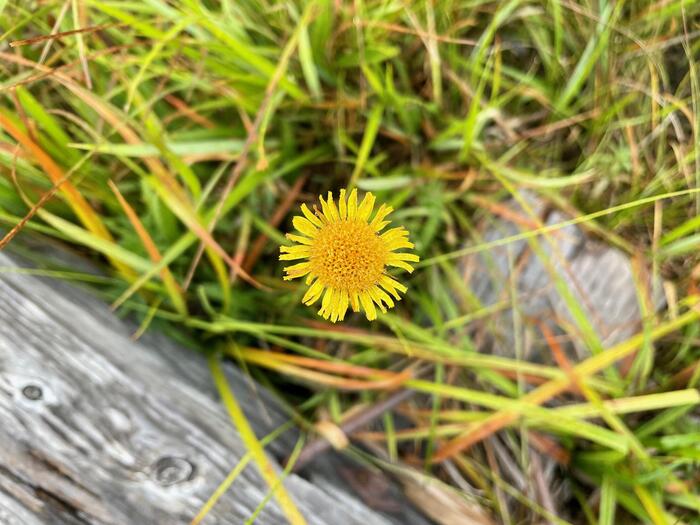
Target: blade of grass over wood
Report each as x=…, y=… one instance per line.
x=594, y=398
x=293, y=457
x=381, y=381
x=254, y=446
x=635, y=404
x=531, y=414
x=580, y=317
x=225, y=485
x=574, y=306
x=107, y=247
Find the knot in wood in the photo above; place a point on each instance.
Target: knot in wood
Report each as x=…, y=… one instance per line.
x=171, y=470
x=32, y=392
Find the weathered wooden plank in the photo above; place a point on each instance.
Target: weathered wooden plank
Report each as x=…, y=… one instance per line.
x=600, y=278
x=99, y=429
x=604, y=285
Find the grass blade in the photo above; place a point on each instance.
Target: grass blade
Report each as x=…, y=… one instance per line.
x=255, y=448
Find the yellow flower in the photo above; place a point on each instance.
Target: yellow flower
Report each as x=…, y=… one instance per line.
x=348, y=256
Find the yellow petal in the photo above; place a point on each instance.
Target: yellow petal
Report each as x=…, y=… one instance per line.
x=291, y=253
x=352, y=204
x=397, y=244
x=304, y=226
x=329, y=209
x=390, y=285
x=313, y=218
x=368, y=305
x=342, y=205
x=379, y=227
x=343, y=304
x=383, y=296
x=376, y=298
x=325, y=214
x=354, y=302
x=293, y=256
x=403, y=256
x=394, y=233
x=295, y=249
x=335, y=301
x=365, y=209
x=313, y=293
x=400, y=264
x=325, y=303
x=378, y=223
x=299, y=239
x=297, y=270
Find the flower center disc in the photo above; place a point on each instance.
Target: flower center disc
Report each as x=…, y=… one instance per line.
x=348, y=255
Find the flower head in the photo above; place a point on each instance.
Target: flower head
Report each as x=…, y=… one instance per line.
x=347, y=256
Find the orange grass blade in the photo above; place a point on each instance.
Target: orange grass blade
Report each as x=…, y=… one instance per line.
x=611, y=419
x=310, y=362
x=385, y=381
x=174, y=290
x=75, y=199
x=189, y=218
x=63, y=34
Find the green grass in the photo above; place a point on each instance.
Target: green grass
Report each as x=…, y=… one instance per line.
x=166, y=144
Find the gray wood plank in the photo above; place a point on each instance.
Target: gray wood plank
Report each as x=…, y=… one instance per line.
x=602, y=281
x=600, y=278
x=99, y=429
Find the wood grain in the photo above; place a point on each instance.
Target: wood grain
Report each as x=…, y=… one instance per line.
x=99, y=429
